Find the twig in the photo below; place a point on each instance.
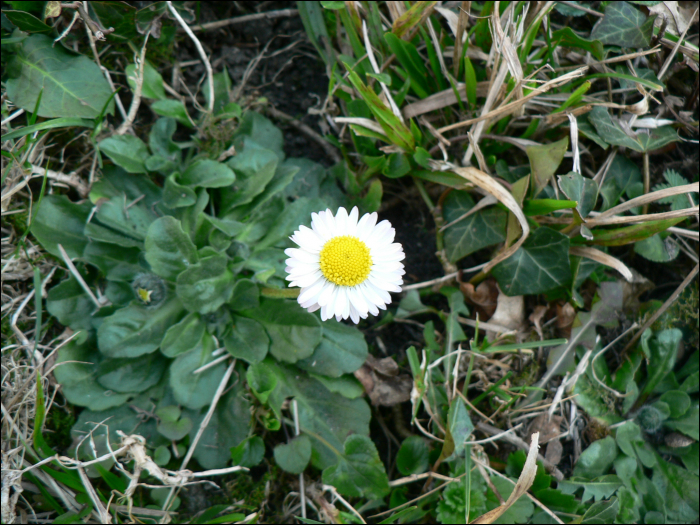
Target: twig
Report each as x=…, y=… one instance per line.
x=330, y=150
x=332, y=490
x=663, y=308
x=269, y=15
x=302, y=489
x=136, y=101
x=80, y=279
x=202, y=54
x=613, y=342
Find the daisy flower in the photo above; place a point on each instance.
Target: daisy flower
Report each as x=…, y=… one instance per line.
x=344, y=266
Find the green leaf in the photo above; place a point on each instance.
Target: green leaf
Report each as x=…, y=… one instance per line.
x=262, y=380
x=597, y=489
x=460, y=427
x=479, y=230
x=205, y=286
x=70, y=85
x=412, y=457
x=246, y=295
x=152, y=85
x=539, y=265
x=597, y=459
x=544, y=162
x=195, y=390
x=59, y=221
x=169, y=249
x=359, y=471
x=398, y=166
x=183, y=336
x=249, y=452
x=679, y=489
x=262, y=132
x=131, y=375
x=253, y=177
x=115, y=262
x=56, y=123
x=642, y=140
x=173, y=109
x=26, y=21
x=171, y=425
x=657, y=249
x=580, y=189
x=177, y=196
x=624, y=26
x=342, y=351
x=602, y=512
x=630, y=234
x=294, y=333
x=534, y=207
x=519, y=512
x=663, y=348
x=677, y=202
x=411, y=62
x=326, y=417
x=69, y=303
x=229, y=425
x=137, y=330
x=295, y=455
x=247, y=340
x=688, y=424
x=567, y=38
x=222, y=87
x=126, y=151
x=630, y=440
x=208, y=174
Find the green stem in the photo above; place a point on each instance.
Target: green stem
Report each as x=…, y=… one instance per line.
x=276, y=293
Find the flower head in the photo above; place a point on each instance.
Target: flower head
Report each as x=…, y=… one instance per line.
x=344, y=266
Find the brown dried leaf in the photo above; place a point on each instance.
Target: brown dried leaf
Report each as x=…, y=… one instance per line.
x=382, y=382
x=484, y=297
x=565, y=319
x=527, y=477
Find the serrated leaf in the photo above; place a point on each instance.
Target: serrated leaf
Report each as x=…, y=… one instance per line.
x=70, y=85
x=596, y=489
x=479, y=230
x=602, y=512
x=624, y=26
x=342, y=350
x=359, y=471
x=295, y=455
x=539, y=265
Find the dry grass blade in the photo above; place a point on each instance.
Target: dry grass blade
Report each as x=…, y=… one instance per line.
x=443, y=99
x=650, y=197
x=598, y=221
x=489, y=184
x=602, y=258
x=359, y=121
x=527, y=477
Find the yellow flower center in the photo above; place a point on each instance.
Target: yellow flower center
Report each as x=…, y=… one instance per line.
x=345, y=260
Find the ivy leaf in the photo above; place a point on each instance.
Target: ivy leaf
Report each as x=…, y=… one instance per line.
x=642, y=140
x=205, y=286
x=169, y=249
x=580, y=189
x=544, y=162
x=342, y=351
x=137, y=330
x=624, y=26
x=539, y=265
x=295, y=455
x=359, y=471
x=294, y=333
x=479, y=230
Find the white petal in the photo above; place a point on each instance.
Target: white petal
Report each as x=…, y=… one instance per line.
x=384, y=285
x=357, y=300
x=340, y=301
x=354, y=315
x=319, y=226
x=366, y=224
x=326, y=313
x=373, y=309
x=387, y=267
x=307, y=239
x=313, y=308
x=346, y=310
x=341, y=221
x=371, y=294
x=311, y=292
x=302, y=255
x=308, y=280
x=352, y=222
x=326, y=294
